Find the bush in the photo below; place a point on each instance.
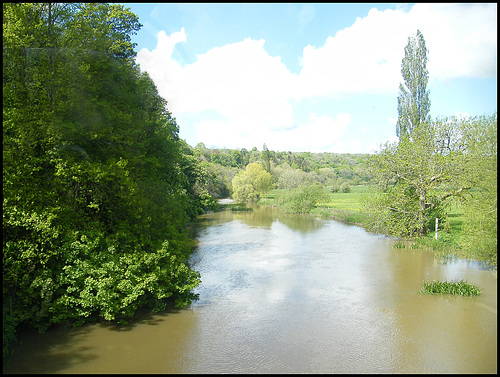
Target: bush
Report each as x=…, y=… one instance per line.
x=207, y=202
x=335, y=188
x=300, y=199
x=344, y=187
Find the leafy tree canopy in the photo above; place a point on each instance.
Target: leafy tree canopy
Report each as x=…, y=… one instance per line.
x=413, y=100
x=418, y=178
x=251, y=183
x=97, y=185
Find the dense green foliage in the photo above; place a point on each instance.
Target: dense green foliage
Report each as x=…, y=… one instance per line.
x=459, y=288
x=419, y=177
x=97, y=186
x=288, y=169
x=480, y=231
x=300, y=199
x=251, y=183
x=413, y=99
x=410, y=175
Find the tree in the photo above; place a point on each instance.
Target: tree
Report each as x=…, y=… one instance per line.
x=291, y=178
x=97, y=186
x=416, y=179
x=413, y=100
x=266, y=158
x=251, y=183
x=300, y=199
x=479, y=229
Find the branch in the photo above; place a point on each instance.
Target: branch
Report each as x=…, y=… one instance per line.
x=454, y=193
x=436, y=177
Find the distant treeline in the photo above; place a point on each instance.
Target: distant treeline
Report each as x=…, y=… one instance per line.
x=288, y=169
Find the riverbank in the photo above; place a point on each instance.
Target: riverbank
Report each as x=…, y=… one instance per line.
x=346, y=208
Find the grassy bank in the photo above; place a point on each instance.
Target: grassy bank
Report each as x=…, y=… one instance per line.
x=346, y=207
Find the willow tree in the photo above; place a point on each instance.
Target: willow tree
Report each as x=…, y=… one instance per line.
x=413, y=99
x=251, y=183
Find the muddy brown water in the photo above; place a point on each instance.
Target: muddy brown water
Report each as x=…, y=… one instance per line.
x=292, y=294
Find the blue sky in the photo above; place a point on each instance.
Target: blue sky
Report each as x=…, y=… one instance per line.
x=311, y=77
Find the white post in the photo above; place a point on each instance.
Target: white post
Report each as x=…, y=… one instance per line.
x=437, y=221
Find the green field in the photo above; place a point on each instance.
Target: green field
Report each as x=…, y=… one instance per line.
x=339, y=206
x=338, y=200
x=344, y=207
x=343, y=204
x=346, y=201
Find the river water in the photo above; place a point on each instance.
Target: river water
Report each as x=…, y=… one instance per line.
x=292, y=294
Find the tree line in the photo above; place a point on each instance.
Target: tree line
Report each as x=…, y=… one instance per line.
x=97, y=186
x=288, y=170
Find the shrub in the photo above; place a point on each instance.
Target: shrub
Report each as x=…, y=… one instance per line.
x=344, y=187
x=301, y=199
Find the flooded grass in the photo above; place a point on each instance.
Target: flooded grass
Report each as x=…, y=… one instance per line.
x=460, y=288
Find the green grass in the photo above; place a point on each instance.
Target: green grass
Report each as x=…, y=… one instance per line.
x=446, y=245
x=342, y=206
x=460, y=288
x=348, y=200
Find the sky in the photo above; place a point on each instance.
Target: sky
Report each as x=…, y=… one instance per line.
x=311, y=77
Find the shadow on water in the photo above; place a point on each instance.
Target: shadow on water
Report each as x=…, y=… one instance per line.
x=48, y=352
x=63, y=346
x=140, y=318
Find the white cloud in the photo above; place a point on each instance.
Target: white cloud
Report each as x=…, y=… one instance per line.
x=461, y=39
x=241, y=81
x=316, y=134
x=253, y=93
x=162, y=68
x=363, y=57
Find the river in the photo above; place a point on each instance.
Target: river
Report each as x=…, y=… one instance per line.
x=292, y=294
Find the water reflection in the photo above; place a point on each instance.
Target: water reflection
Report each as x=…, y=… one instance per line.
x=261, y=217
x=336, y=298
x=285, y=294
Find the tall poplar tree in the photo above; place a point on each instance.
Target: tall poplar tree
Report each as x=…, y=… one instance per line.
x=413, y=99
